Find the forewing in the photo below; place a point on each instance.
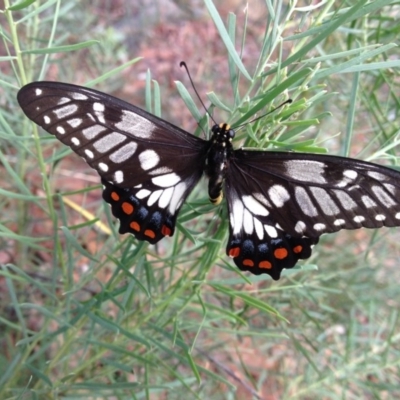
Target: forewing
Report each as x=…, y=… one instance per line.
x=280, y=203
x=147, y=165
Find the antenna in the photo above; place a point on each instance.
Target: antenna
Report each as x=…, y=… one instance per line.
x=183, y=64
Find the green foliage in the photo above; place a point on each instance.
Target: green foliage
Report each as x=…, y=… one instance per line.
x=88, y=314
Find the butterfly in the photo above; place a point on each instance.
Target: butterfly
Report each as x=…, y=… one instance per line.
x=279, y=203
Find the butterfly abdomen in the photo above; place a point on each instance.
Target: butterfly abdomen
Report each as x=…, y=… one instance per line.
x=217, y=160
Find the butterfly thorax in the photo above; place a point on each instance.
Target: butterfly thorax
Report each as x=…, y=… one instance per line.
x=218, y=159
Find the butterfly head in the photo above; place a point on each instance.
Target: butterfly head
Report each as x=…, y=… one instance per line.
x=222, y=133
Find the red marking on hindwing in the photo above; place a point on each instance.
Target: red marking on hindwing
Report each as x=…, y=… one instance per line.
x=166, y=231
x=115, y=196
x=298, y=249
x=281, y=253
x=265, y=265
x=248, y=263
x=149, y=233
x=234, y=252
x=135, y=226
x=127, y=208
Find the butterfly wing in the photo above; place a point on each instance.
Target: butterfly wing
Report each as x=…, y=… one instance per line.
x=147, y=165
x=281, y=203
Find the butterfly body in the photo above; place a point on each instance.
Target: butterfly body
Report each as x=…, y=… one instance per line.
x=218, y=156
x=279, y=203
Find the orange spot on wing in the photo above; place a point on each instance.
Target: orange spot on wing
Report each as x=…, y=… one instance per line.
x=115, y=196
x=298, y=249
x=135, y=226
x=127, y=208
x=248, y=263
x=150, y=233
x=265, y=264
x=234, y=252
x=166, y=231
x=281, y=253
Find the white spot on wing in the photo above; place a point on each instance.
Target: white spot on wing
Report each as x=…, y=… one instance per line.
x=79, y=96
x=148, y=159
x=74, y=122
x=63, y=112
x=166, y=197
x=304, y=202
x=368, y=202
x=339, y=222
x=348, y=177
x=93, y=131
x=278, y=195
x=248, y=222
x=135, y=125
x=383, y=197
x=345, y=200
x=123, y=153
x=63, y=100
x=103, y=167
x=271, y=231
x=237, y=216
x=76, y=141
x=60, y=130
x=377, y=175
x=325, y=201
x=142, y=193
x=254, y=206
x=109, y=141
x=358, y=218
x=306, y=170
x=38, y=92
x=351, y=174
x=161, y=170
x=118, y=176
x=391, y=188
x=89, y=153
x=259, y=228
x=397, y=216
x=176, y=199
x=154, y=197
x=46, y=119
x=262, y=199
x=319, y=227
x=380, y=217
x=90, y=116
x=98, y=107
x=300, y=227
x=166, y=180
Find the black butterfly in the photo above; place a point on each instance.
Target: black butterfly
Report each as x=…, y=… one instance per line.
x=279, y=203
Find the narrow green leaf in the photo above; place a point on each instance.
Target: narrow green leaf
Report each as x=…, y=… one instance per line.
x=272, y=94
x=190, y=104
x=225, y=38
x=21, y=5
x=62, y=49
